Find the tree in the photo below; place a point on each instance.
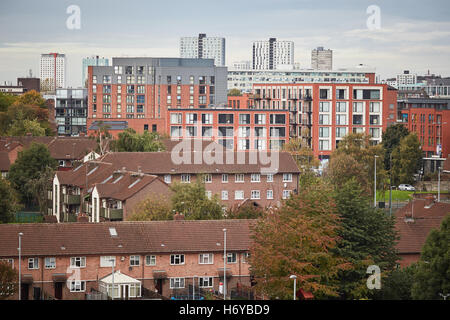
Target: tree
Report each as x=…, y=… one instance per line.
x=39, y=187
x=361, y=149
x=397, y=284
x=234, y=92
x=6, y=100
x=432, y=277
x=191, y=200
x=367, y=236
x=30, y=165
x=31, y=98
x=343, y=167
x=304, y=157
x=391, y=139
x=297, y=239
x=24, y=127
x=245, y=211
x=130, y=141
x=406, y=159
x=152, y=209
x=8, y=280
x=103, y=137
x=9, y=203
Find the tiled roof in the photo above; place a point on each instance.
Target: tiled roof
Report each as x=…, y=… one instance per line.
x=5, y=164
x=51, y=239
x=426, y=217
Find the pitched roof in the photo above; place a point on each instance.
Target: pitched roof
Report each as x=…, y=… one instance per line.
x=71, y=148
x=414, y=232
x=57, y=239
x=5, y=164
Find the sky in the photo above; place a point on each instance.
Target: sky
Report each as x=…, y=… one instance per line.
x=410, y=35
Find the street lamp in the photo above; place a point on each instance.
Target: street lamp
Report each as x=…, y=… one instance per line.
x=375, y=183
x=224, y=264
x=20, y=260
x=113, y=262
x=439, y=184
x=390, y=184
x=295, y=284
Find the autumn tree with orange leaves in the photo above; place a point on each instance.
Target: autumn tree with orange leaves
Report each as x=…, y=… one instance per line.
x=297, y=239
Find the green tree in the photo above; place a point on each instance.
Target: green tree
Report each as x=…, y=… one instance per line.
x=433, y=272
x=152, y=209
x=234, y=92
x=130, y=141
x=245, y=211
x=391, y=139
x=343, y=168
x=24, y=127
x=8, y=280
x=297, y=239
x=406, y=159
x=6, y=100
x=31, y=98
x=39, y=187
x=397, y=284
x=31, y=163
x=367, y=236
x=9, y=203
x=191, y=200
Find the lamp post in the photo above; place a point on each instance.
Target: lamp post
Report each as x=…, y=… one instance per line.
x=224, y=264
x=390, y=184
x=439, y=184
x=20, y=260
x=113, y=262
x=295, y=284
x=375, y=183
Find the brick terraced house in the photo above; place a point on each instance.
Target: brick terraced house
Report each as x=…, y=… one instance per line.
x=119, y=179
x=74, y=260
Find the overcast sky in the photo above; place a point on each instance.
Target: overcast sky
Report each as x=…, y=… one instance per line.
x=413, y=35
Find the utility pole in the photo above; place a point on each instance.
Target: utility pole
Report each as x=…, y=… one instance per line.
x=375, y=183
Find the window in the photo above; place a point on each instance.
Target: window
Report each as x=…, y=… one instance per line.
x=324, y=119
x=269, y=194
x=176, y=283
x=255, y=177
x=225, y=178
x=244, y=119
x=135, y=260
x=239, y=177
x=135, y=290
x=277, y=119
x=129, y=70
x=374, y=107
x=269, y=177
x=205, y=282
x=77, y=286
x=324, y=132
x=287, y=177
x=78, y=262
x=324, y=107
x=176, y=118
x=205, y=258
x=358, y=107
x=105, y=261
x=207, y=118
x=224, y=195
x=33, y=263
x=357, y=119
x=341, y=106
x=244, y=132
x=206, y=131
x=175, y=131
x=176, y=259
x=231, y=257
x=191, y=118
x=324, y=145
x=341, y=119
x=323, y=94
x=239, y=195
x=118, y=69
x=374, y=132
x=225, y=118
x=207, y=178
x=341, y=132
x=245, y=257
x=277, y=131
x=150, y=260
x=286, y=194
x=191, y=131
x=260, y=119
x=255, y=195
x=186, y=178
x=340, y=93
x=167, y=178
x=374, y=119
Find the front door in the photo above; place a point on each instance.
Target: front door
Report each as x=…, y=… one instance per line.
x=36, y=293
x=159, y=286
x=24, y=291
x=59, y=290
x=124, y=291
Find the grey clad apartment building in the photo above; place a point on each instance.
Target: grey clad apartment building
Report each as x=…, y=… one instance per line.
x=71, y=111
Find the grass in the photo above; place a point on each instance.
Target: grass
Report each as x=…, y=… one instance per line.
x=399, y=195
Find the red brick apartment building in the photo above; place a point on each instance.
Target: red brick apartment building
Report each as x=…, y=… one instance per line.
x=323, y=113
x=414, y=223
x=73, y=260
x=429, y=118
x=119, y=180
x=137, y=92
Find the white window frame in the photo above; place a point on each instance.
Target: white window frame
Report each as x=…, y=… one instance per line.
x=255, y=195
x=167, y=178
x=201, y=282
x=105, y=261
x=255, y=177
x=269, y=177
x=236, y=180
x=271, y=195
x=173, y=258
x=34, y=262
x=207, y=178
x=288, y=192
x=150, y=260
x=287, y=177
x=77, y=285
x=224, y=195
x=78, y=260
x=133, y=261
x=177, y=283
x=236, y=192
x=206, y=258
x=224, y=177
x=50, y=263
x=233, y=256
x=185, y=178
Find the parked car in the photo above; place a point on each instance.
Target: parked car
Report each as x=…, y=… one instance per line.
x=406, y=187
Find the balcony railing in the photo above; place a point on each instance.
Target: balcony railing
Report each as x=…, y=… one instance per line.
x=71, y=199
x=111, y=214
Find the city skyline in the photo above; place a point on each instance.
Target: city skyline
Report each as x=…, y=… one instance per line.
x=412, y=36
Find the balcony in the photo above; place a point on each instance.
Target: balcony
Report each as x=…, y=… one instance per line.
x=69, y=217
x=307, y=98
x=71, y=199
x=111, y=214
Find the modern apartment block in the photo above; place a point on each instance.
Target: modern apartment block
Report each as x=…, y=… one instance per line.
x=406, y=78
x=137, y=92
x=91, y=61
x=322, y=59
x=203, y=47
x=245, y=79
x=152, y=259
x=234, y=129
x=71, y=108
x=429, y=119
x=242, y=65
x=52, y=71
x=272, y=54
x=323, y=113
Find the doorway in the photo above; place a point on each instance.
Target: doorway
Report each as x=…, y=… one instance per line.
x=59, y=290
x=159, y=286
x=24, y=291
x=124, y=289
